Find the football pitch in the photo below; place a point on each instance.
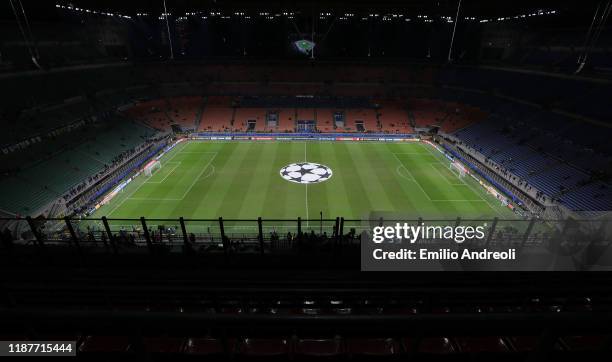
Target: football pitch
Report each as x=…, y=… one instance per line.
x=243, y=180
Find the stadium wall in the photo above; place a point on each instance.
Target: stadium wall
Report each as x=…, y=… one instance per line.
x=306, y=136
x=476, y=169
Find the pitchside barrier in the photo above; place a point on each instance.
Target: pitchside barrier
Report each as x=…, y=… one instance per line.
x=305, y=137
x=503, y=190
x=203, y=231
x=536, y=244
x=119, y=181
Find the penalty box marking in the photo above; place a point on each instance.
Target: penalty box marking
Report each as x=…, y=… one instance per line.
x=423, y=190
x=402, y=175
x=434, y=164
x=169, y=162
x=195, y=180
x=411, y=153
x=413, y=178
x=197, y=152
x=139, y=186
x=177, y=164
x=467, y=184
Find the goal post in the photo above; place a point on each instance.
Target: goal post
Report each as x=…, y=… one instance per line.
x=152, y=167
x=458, y=169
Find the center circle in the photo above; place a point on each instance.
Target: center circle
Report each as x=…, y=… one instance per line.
x=306, y=172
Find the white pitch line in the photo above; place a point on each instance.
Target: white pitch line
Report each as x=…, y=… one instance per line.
x=485, y=200
x=433, y=165
x=411, y=153
x=477, y=192
x=212, y=172
x=199, y=175
x=411, y=175
x=152, y=199
x=176, y=151
x=458, y=200
x=122, y=201
x=138, y=188
x=178, y=163
x=196, y=152
x=176, y=199
x=402, y=175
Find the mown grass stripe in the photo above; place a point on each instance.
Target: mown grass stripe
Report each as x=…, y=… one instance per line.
x=246, y=184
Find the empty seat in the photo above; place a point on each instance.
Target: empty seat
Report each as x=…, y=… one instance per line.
x=106, y=344
x=523, y=343
x=264, y=347
x=481, y=344
x=583, y=343
x=372, y=347
x=163, y=344
x=430, y=345
x=205, y=346
x=328, y=347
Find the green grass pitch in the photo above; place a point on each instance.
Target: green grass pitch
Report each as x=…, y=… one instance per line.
x=241, y=180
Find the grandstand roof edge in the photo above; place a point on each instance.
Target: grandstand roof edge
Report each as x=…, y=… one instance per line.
x=64, y=69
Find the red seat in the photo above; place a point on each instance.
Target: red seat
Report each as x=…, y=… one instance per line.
x=319, y=347
x=264, y=347
x=105, y=344
x=204, y=346
x=481, y=344
x=583, y=343
x=372, y=346
x=430, y=345
x=524, y=343
x=163, y=344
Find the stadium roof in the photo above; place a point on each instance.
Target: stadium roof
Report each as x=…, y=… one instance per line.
x=438, y=7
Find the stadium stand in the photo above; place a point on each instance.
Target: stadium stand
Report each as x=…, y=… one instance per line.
x=360, y=120
x=393, y=117
x=89, y=97
x=286, y=119
x=244, y=115
x=220, y=312
x=305, y=114
x=35, y=185
x=186, y=110
x=325, y=119
x=217, y=119
x=162, y=113
x=151, y=113
x=537, y=152
x=525, y=122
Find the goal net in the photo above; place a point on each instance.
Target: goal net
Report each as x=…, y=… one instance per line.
x=152, y=167
x=458, y=169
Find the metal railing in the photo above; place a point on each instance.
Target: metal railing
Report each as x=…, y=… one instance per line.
x=279, y=234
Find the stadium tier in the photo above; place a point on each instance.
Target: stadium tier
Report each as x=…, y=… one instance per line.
x=216, y=118
x=338, y=181
x=525, y=152
x=253, y=119
x=541, y=164
x=40, y=121
x=161, y=114
x=40, y=182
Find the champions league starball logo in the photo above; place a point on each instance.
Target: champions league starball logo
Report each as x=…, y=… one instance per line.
x=306, y=173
